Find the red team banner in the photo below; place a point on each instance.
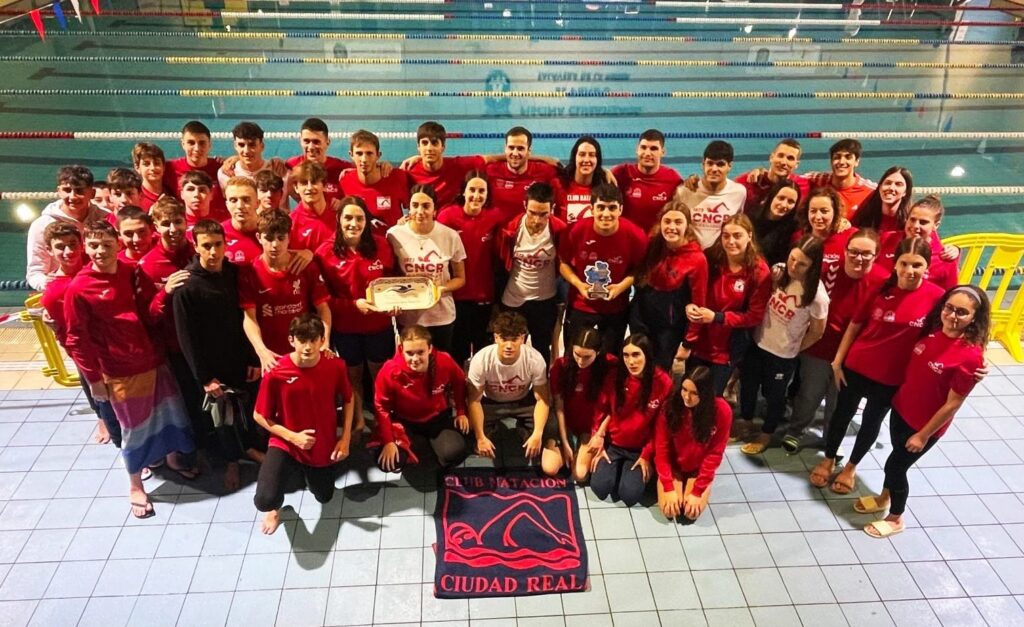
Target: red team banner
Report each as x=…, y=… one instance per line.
x=511, y=534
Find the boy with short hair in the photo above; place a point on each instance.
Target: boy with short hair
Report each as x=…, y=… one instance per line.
x=135, y=229
x=74, y=206
x=297, y=405
x=314, y=221
x=241, y=244
x=782, y=164
x=269, y=190
x=197, y=194
x=715, y=198
x=248, y=159
x=508, y=179
x=853, y=189
x=149, y=161
x=271, y=297
x=385, y=195
x=196, y=143
x=125, y=188
x=647, y=184
x=101, y=195
x=172, y=250
x=314, y=139
x=445, y=174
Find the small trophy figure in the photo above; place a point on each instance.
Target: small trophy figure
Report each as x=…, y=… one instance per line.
x=599, y=277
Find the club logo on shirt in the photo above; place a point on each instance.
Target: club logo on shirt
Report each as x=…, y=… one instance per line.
x=383, y=203
x=636, y=192
x=590, y=242
x=654, y=404
x=377, y=265
x=103, y=294
x=296, y=287
x=537, y=260
x=889, y=316
x=430, y=262
x=919, y=348
x=783, y=305
x=291, y=380
x=232, y=242
x=514, y=385
x=714, y=215
x=340, y=263
x=936, y=366
x=307, y=232
x=918, y=323
x=440, y=389
x=739, y=285
x=662, y=197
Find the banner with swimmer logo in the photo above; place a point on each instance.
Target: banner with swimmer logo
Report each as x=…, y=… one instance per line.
x=509, y=534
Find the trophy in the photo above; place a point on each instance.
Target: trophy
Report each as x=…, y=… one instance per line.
x=598, y=277
x=407, y=293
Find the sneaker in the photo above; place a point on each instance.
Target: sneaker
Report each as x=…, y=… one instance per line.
x=790, y=444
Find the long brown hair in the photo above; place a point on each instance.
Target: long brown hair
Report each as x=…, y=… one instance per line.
x=702, y=417
x=717, y=255
x=642, y=342
x=813, y=248
x=367, y=246
x=910, y=246
x=978, y=330
x=589, y=338
x=657, y=248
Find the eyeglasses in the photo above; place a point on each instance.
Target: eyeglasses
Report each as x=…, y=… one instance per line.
x=863, y=254
x=959, y=312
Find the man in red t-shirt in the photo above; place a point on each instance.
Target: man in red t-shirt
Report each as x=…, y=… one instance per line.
x=149, y=161
x=445, y=174
x=314, y=139
x=297, y=405
x=854, y=189
x=270, y=296
x=782, y=164
x=196, y=193
x=599, y=257
x=647, y=185
x=196, y=143
x=385, y=194
x=508, y=181
x=314, y=220
x=241, y=245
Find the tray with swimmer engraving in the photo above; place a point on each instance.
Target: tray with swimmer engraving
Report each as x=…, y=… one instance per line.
x=408, y=293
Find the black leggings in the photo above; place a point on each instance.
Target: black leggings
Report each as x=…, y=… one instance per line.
x=612, y=328
x=720, y=373
x=540, y=320
x=470, y=334
x=899, y=462
x=879, y=401
x=448, y=444
x=277, y=468
x=771, y=375
x=616, y=479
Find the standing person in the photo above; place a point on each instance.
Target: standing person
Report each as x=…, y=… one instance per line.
x=923, y=220
x=599, y=257
x=241, y=243
x=940, y=375
x=579, y=383
x=509, y=180
x=314, y=219
x=196, y=143
x=689, y=441
x=208, y=327
x=623, y=444
x=646, y=185
x=248, y=160
x=110, y=344
x=74, y=206
x=477, y=226
x=509, y=379
x=887, y=207
x=314, y=140
x=135, y=232
x=423, y=247
x=172, y=251
x=854, y=189
x=446, y=175
x=887, y=324
x=528, y=246
x=364, y=336
x=197, y=193
x=782, y=164
x=856, y=284
x=125, y=189
x=297, y=405
x=420, y=395
x=795, y=320
x=775, y=220
x=821, y=216
x=715, y=198
x=270, y=190
x=674, y=274
x=149, y=161
x=576, y=184
x=271, y=297
x=738, y=289
x=385, y=194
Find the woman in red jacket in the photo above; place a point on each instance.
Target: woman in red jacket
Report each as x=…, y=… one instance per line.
x=887, y=207
x=689, y=441
x=674, y=274
x=940, y=375
x=872, y=358
x=624, y=442
x=923, y=221
x=348, y=262
x=738, y=290
x=579, y=383
x=415, y=395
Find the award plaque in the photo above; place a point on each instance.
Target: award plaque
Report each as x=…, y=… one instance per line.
x=408, y=293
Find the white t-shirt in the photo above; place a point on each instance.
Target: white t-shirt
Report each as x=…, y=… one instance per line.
x=709, y=211
x=785, y=321
x=431, y=256
x=506, y=383
x=533, y=268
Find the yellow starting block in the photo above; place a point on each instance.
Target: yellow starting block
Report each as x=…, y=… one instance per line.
x=999, y=254
x=48, y=342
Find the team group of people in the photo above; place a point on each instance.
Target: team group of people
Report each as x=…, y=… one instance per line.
x=220, y=307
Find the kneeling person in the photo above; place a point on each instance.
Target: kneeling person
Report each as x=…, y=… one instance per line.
x=297, y=405
x=501, y=377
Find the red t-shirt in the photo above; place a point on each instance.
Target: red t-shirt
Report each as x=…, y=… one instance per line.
x=478, y=238
x=609, y=258
x=833, y=258
x=240, y=248
x=334, y=167
x=572, y=201
x=310, y=229
x=176, y=168
x=846, y=297
x=631, y=426
x=402, y=394
x=507, y=189
x=158, y=264
x=726, y=293
x=681, y=454
x=756, y=192
x=892, y=321
x=148, y=199
x=644, y=195
x=943, y=273
x=347, y=278
x=447, y=181
x=852, y=196
x=385, y=198
x=582, y=415
x=278, y=296
x=305, y=398
x=937, y=365
x=52, y=301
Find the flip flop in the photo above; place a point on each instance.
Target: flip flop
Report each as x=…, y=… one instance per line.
x=868, y=505
x=147, y=507
x=753, y=448
x=840, y=487
x=147, y=473
x=884, y=528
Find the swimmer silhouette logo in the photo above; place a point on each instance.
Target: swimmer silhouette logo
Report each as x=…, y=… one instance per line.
x=497, y=84
x=503, y=535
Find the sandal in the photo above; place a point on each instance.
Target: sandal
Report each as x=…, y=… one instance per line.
x=883, y=528
x=147, y=510
x=820, y=476
x=869, y=505
x=841, y=487
x=755, y=447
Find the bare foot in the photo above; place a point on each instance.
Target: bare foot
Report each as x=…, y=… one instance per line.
x=102, y=433
x=271, y=522
x=255, y=455
x=141, y=505
x=822, y=473
x=232, y=480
